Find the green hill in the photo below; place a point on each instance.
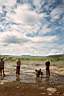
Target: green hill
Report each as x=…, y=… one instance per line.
x=38, y=58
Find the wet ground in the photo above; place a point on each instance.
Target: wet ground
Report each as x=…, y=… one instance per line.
x=29, y=85
x=28, y=73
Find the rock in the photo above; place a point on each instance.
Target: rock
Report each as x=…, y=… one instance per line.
x=50, y=94
x=43, y=93
x=51, y=90
x=2, y=83
x=17, y=87
x=42, y=88
x=63, y=94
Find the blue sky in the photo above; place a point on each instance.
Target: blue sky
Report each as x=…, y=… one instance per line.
x=32, y=28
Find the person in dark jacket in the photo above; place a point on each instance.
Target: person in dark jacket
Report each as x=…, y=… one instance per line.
x=47, y=68
x=2, y=67
x=18, y=69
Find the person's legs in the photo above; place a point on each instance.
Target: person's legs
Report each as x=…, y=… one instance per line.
x=3, y=72
x=18, y=74
x=41, y=74
x=47, y=73
x=38, y=74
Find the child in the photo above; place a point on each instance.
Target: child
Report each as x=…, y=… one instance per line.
x=38, y=73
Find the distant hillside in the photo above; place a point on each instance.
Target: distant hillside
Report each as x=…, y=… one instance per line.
x=28, y=57
x=56, y=57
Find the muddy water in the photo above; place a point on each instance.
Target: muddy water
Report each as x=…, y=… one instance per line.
x=27, y=74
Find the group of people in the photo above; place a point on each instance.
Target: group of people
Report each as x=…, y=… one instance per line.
x=38, y=72
x=2, y=73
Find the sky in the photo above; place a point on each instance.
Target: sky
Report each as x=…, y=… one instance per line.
x=32, y=28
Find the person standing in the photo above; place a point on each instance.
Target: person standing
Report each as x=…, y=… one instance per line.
x=18, y=69
x=47, y=68
x=2, y=67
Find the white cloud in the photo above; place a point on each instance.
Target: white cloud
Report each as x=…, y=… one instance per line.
x=46, y=28
x=7, y=2
x=25, y=15
x=12, y=37
x=56, y=51
x=25, y=30
x=43, y=39
x=57, y=12
x=28, y=19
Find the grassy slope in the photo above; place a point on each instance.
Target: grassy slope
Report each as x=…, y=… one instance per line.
x=35, y=58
